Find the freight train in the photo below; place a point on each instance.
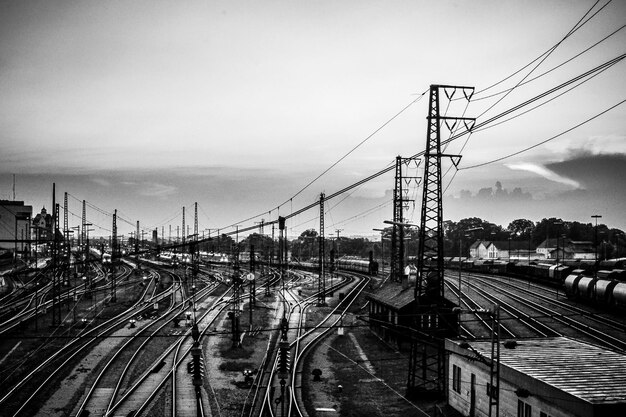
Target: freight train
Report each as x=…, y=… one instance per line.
x=602, y=288
x=602, y=282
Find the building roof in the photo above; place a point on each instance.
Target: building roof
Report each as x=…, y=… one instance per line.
x=549, y=243
x=588, y=372
x=513, y=244
x=582, y=246
x=475, y=244
x=392, y=295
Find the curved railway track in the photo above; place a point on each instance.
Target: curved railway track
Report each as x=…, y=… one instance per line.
x=77, y=345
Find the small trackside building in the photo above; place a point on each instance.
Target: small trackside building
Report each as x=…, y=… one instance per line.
x=390, y=313
x=547, y=377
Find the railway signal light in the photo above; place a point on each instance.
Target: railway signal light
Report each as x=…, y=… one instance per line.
x=283, y=358
x=197, y=365
x=284, y=327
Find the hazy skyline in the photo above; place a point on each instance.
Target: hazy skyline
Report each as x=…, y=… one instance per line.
x=148, y=106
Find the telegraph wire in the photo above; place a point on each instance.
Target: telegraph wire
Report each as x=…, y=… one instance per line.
x=357, y=146
x=420, y=96
x=544, y=141
x=450, y=139
x=574, y=29
x=553, y=68
x=551, y=49
x=520, y=114
x=549, y=100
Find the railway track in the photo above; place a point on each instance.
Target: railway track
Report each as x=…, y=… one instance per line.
x=79, y=345
x=544, y=314
x=278, y=393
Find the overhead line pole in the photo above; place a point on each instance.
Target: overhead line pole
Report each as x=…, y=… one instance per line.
x=443, y=142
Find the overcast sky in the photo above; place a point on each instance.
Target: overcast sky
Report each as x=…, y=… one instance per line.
x=148, y=106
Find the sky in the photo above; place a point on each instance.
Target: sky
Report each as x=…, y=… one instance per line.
x=150, y=106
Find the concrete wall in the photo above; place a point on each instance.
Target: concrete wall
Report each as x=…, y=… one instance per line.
x=8, y=212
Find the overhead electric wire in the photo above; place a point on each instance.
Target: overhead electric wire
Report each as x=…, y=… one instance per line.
x=553, y=68
x=363, y=213
x=549, y=51
x=545, y=141
x=333, y=165
x=575, y=28
x=547, y=101
x=450, y=139
x=527, y=111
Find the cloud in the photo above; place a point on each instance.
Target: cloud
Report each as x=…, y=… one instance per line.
x=157, y=190
x=544, y=172
x=102, y=182
x=603, y=172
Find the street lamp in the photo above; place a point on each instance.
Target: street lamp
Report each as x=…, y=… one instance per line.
x=382, y=250
x=595, y=239
x=557, y=241
x=401, y=225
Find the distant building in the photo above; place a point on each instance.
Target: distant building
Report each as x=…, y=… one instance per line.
x=478, y=250
x=548, y=377
x=14, y=225
x=504, y=250
x=42, y=226
x=568, y=249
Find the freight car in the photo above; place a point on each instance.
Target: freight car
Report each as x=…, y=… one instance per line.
x=606, y=288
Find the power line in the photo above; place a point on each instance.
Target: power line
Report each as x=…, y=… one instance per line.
x=545, y=141
x=571, y=32
x=554, y=68
x=574, y=29
x=331, y=167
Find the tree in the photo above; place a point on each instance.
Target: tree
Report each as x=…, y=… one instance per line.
x=521, y=228
x=305, y=246
x=262, y=243
x=549, y=228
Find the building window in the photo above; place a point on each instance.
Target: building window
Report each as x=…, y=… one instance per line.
x=544, y=414
x=456, y=378
x=524, y=409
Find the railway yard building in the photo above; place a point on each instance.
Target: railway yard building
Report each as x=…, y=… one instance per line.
x=390, y=310
x=14, y=224
x=547, y=377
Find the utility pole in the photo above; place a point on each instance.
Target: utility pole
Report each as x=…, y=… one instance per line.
x=114, y=257
x=252, y=282
x=434, y=315
x=382, y=250
x=183, y=230
x=83, y=238
x=321, y=284
x=494, y=368
x=66, y=237
x=194, y=250
x=236, y=339
x=400, y=203
x=55, y=288
x=595, y=243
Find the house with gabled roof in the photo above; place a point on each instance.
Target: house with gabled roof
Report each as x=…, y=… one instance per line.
x=390, y=312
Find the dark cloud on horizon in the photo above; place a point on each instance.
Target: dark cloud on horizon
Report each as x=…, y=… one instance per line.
x=604, y=172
